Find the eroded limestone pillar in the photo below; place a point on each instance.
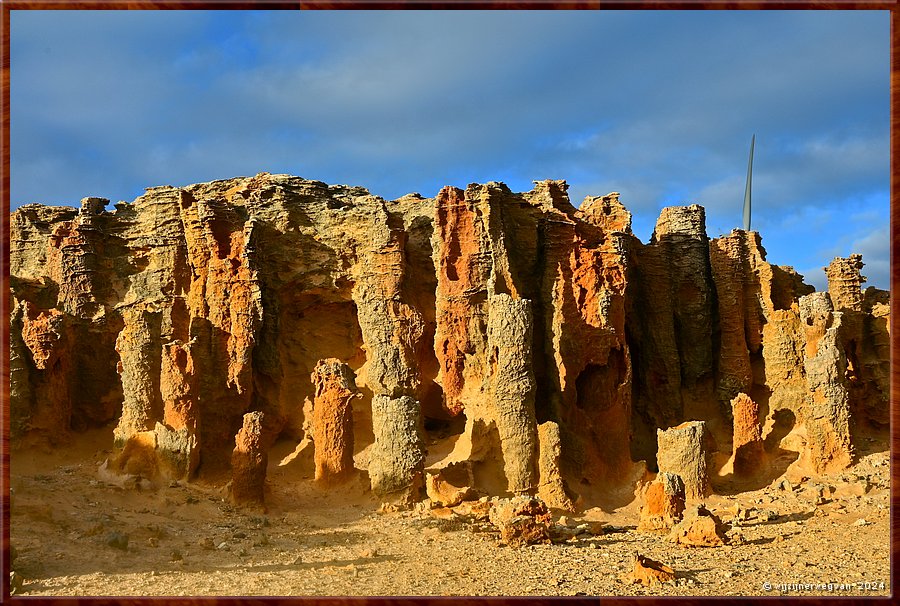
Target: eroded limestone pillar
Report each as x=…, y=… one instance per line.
x=248, y=462
x=332, y=421
x=747, y=442
x=681, y=451
x=663, y=503
x=512, y=389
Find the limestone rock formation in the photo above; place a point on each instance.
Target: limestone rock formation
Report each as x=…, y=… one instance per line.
x=542, y=349
x=647, y=572
x=451, y=485
x=699, y=528
x=664, y=502
x=552, y=488
x=844, y=283
x=521, y=521
x=333, y=420
x=248, y=462
x=682, y=451
x=825, y=363
x=747, y=443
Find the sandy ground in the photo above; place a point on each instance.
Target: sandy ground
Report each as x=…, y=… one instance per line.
x=68, y=528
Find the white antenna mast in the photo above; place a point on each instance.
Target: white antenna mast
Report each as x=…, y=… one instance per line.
x=747, y=190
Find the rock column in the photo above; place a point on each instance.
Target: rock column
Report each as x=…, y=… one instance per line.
x=681, y=232
x=552, y=488
x=728, y=260
x=333, y=420
x=844, y=283
x=512, y=388
x=177, y=437
x=248, y=462
x=828, y=423
x=747, y=440
x=682, y=452
x=663, y=503
x=392, y=331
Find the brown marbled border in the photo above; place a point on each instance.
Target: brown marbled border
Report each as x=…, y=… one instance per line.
x=7, y=6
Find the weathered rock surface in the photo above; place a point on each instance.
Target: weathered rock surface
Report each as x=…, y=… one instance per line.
x=747, y=443
x=333, y=420
x=825, y=363
x=699, y=528
x=521, y=521
x=664, y=502
x=248, y=462
x=682, y=452
x=648, y=572
x=451, y=485
x=540, y=346
x=552, y=487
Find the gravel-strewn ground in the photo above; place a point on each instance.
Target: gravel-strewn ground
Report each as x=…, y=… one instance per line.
x=186, y=540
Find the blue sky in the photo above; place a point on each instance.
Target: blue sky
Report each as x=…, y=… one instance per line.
x=657, y=105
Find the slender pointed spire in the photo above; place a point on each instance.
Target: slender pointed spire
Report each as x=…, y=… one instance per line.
x=747, y=190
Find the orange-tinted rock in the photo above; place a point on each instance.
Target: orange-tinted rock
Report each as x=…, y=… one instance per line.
x=463, y=265
x=663, y=503
x=248, y=462
x=451, y=485
x=41, y=333
x=606, y=212
x=177, y=435
x=45, y=341
x=747, y=443
x=333, y=420
x=522, y=521
x=159, y=426
x=60, y=269
x=699, y=528
x=220, y=303
x=484, y=331
x=647, y=572
x=764, y=297
x=586, y=355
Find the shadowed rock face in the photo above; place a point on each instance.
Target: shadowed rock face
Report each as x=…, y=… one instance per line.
x=540, y=345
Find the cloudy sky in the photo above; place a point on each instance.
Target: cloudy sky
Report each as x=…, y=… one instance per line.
x=657, y=105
